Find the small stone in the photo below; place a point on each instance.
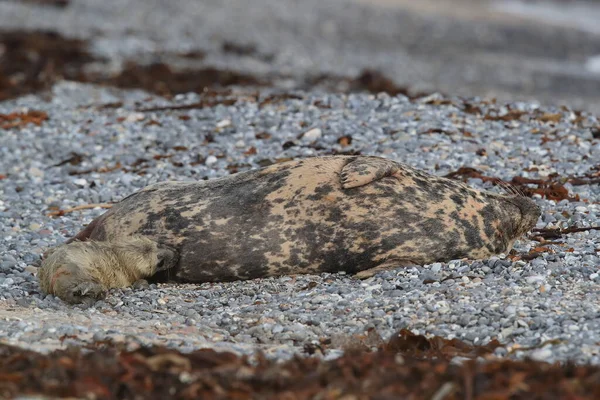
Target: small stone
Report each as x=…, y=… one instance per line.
x=312, y=134
x=541, y=354
x=135, y=117
x=8, y=282
x=7, y=265
x=510, y=310
x=80, y=182
x=211, y=160
x=224, y=123
x=34, y=226
x=8, y=257
x=31, y=269
x=38, y=173
x=506, y=332
x=522, y=323
x=24, y=302
x=535, y=279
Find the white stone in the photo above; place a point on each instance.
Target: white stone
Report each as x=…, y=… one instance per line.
x=535, y=279
x=34, y=171
x=312, y=134
x=541, y=354
x=593, y=64
x=224, y=123
x=211, y=160
x=80, y=182
x=31, y=269
x=135, y=117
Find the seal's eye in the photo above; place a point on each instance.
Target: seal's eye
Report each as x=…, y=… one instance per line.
x=161, y=263
x=77, y=293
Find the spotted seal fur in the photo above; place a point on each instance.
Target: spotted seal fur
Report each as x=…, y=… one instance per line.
x=323, y=214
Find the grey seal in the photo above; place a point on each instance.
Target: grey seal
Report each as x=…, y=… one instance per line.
x=324, y=214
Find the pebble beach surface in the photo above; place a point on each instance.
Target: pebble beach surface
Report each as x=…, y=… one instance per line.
x=101, y=144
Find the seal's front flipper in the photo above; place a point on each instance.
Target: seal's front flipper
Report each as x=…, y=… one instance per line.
x=168, y=258
x=365, y=170
x=387, y=265
x=86, y=292
x=140, y=284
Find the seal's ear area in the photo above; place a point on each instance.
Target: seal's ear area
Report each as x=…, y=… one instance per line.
x=364, y=170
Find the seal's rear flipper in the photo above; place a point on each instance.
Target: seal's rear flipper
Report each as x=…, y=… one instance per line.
x=365, y=170
x=387, y=265
x=168, y=258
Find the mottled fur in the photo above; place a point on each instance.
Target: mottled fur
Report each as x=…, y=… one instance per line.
x=321, y=214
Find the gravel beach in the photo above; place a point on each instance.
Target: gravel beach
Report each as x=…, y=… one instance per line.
x=546, y=308
x=77, y=144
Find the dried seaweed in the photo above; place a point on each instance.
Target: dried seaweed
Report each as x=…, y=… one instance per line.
x=160, y=78
x=249, y=49
x=191, y=106
x=551, y=188
x=408, y=366
x=368, y=80
x=556, y=233
x=21, y=119
x=33, y=61
x=51, y=3
x=418, y=346
x=75, y=159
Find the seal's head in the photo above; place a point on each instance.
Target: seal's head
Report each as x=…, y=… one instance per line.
x=65, y=273
x=83, y=271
